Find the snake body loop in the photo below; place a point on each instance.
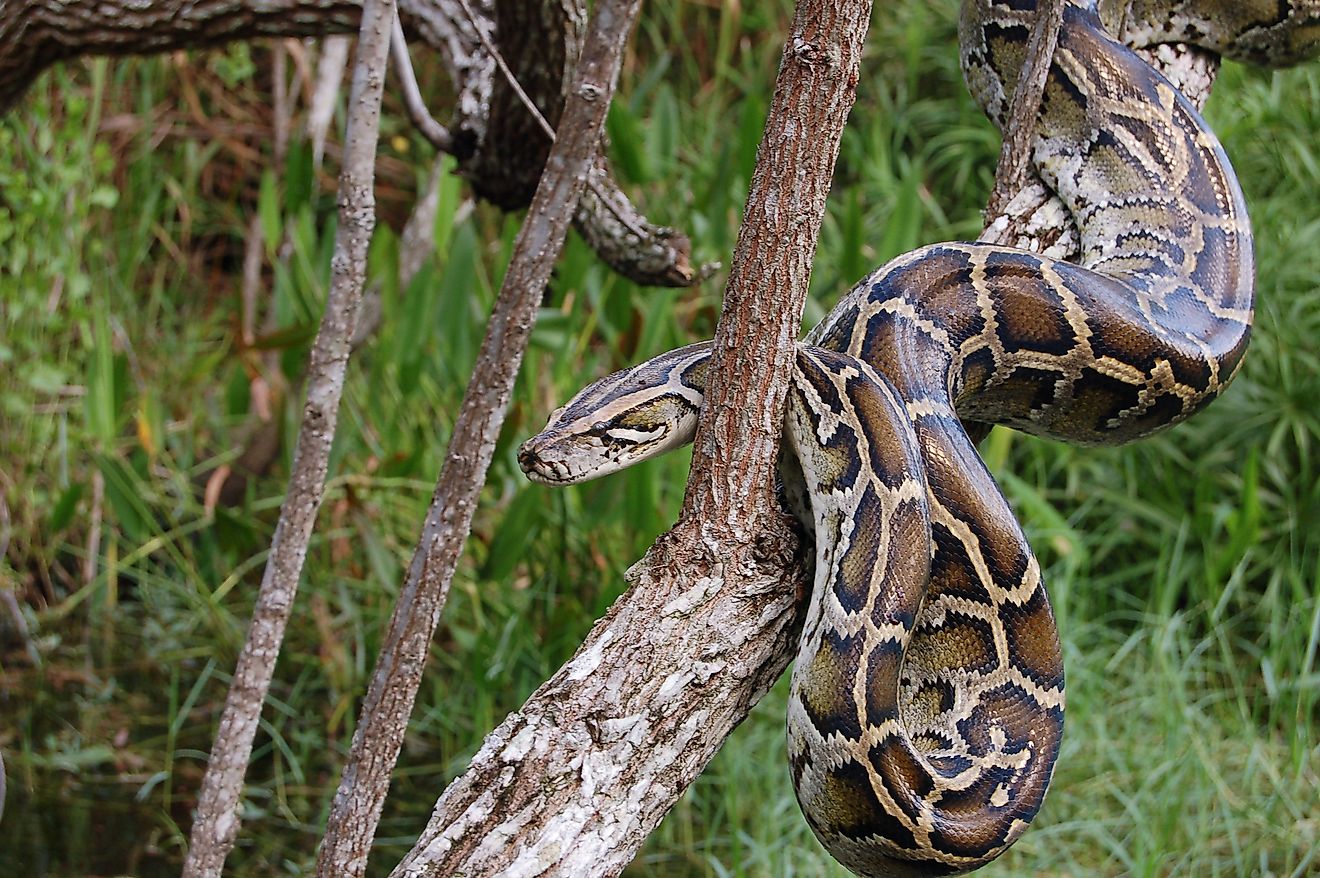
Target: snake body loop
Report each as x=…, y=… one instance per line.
x=926, y=706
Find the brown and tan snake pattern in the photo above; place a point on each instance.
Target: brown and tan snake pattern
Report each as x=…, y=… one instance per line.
x=926, y=707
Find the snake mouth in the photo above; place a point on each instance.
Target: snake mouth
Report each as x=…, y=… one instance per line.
x=547, y=462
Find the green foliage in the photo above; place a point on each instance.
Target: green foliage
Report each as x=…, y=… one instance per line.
x=1184, y=569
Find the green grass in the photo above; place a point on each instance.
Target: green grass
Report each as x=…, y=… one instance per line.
x=1184, y=569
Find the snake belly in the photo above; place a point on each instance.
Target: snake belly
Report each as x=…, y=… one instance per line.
x=926, y=707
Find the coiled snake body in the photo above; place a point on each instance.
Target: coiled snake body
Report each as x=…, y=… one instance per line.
x=926, y=705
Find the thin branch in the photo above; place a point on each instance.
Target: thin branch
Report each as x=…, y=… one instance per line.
x=1014, y=169
x=418, y=238
x=432, y=130
x=574, y=781
x=355, y=811
x=329, y=75
x=216, y=822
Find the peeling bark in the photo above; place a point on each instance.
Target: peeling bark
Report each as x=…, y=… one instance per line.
x=573, y=782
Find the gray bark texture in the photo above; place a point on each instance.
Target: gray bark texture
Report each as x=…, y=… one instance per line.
x=1014, y=170
x=573, y=782
x=355, y=811
x=216, y=821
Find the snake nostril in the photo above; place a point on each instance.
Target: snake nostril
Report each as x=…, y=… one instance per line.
x=526, y=456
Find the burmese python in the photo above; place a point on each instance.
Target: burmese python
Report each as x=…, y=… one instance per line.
x=926, y=705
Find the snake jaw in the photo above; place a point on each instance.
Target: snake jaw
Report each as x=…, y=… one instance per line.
x=551, y=459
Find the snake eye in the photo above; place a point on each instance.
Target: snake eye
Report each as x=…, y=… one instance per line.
x=634, y=436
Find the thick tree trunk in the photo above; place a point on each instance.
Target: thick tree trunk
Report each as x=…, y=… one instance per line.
x=573, y=782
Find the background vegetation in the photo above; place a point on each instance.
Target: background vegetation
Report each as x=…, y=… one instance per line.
x=1183, y=570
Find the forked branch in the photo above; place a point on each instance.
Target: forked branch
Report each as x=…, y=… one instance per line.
x=379, y=736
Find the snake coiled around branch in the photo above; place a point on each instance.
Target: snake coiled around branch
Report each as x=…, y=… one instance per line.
x=926, y=706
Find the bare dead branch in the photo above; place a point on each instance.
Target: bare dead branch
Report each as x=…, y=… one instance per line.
x=421, y=117
x=356, y=808
x=573, y=782
x=329, y=75
x=216, y=821
x=417, y=240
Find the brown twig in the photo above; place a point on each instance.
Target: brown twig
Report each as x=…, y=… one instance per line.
x=574, y=781
x=376, y=743
x=1013, y=171
x=216, y=822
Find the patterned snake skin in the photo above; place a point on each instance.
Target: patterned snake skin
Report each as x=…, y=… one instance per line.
x=926, y=706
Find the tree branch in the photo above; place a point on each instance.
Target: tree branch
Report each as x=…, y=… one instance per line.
x=487, y=131
x=216, y=822
x=379, y=736
x=573, y=782
x=421, y=117
x=1014, y=169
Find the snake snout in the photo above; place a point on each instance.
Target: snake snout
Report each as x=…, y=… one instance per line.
x=530, y=459
x=552, y=458
x=548, y=459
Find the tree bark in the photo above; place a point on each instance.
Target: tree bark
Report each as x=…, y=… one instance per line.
x=216, y=822
x=540, y=42
x=1014, y=170
x=38, y=33
x=573, y=782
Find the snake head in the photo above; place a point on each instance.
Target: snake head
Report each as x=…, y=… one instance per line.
x=620, y=420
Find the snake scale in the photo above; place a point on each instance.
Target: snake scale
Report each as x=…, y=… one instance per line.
x=926, y=703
